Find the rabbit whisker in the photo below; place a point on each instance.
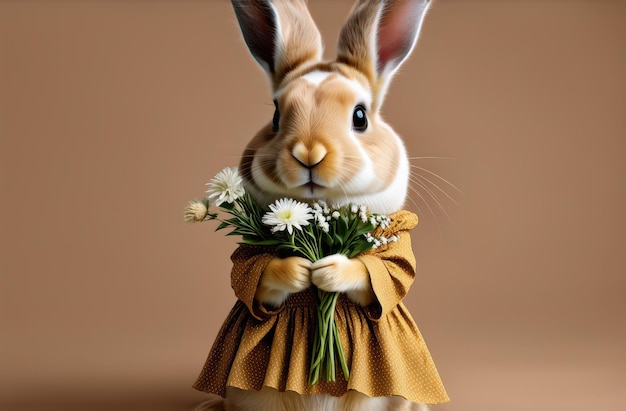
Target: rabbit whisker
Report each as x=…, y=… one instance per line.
x=433, y=196
x=439, y=177
x=415, y=174
x=432, y=158
x=415, y=203
x=415, y=191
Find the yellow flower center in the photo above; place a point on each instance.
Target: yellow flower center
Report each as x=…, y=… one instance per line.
x=285, y=215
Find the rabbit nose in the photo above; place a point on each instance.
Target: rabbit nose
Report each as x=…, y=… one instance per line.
x=309, y=158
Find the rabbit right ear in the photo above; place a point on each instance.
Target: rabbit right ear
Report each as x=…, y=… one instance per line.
x=280, y=34
x=378, y=36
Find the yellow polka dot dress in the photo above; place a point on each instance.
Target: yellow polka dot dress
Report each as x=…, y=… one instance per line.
x=386, y=353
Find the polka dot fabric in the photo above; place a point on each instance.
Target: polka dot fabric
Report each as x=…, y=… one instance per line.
x=386, y=353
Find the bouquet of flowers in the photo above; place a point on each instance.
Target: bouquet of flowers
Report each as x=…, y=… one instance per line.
x=312, y=231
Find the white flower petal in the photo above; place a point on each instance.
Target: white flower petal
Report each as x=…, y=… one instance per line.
x=288, y=213
x=226, y=186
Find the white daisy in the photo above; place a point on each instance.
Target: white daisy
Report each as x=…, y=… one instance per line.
x=226, y=186
x=288, y=213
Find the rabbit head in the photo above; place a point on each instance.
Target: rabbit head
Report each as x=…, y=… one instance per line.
x=327, y=140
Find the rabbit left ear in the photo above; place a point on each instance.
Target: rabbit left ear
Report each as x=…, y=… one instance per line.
x=280, y=34
x=378, y=36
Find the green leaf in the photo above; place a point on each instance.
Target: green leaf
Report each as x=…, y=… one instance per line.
x=360, y=248
x=328, y=239
x=234, y=232
x=254, y=241
x=342, y=225
x=337, y=240
x=233, y=221
x=222, y=226
x=227, y=206
x=364, y=229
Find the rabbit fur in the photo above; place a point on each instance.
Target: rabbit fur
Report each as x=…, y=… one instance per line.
x=327, y=141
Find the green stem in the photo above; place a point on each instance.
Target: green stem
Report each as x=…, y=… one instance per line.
x=327, y=341
x=330, y=324
x=342, y=357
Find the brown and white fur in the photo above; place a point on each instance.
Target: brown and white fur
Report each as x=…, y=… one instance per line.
x=313, y=149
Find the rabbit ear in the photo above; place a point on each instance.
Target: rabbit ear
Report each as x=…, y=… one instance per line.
x=280, y=34
x=378, y=36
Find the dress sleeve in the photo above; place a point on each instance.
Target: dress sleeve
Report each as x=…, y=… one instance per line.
x=392, y=271
x=249, y=262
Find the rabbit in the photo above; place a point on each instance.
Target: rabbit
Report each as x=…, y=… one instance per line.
x=326, y=141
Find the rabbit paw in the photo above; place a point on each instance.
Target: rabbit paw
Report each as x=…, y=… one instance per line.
x=291, y=274
x=338, y=273
x=282, y=277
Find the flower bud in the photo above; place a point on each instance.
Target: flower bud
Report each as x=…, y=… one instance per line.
x=196, y=211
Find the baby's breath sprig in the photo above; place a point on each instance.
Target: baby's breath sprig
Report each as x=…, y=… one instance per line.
x=311, y=231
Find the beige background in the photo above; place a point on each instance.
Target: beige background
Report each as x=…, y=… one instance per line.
x=114, y=113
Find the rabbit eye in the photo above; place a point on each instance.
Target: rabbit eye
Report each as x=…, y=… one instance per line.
x=359, y=119
x=276, y=118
